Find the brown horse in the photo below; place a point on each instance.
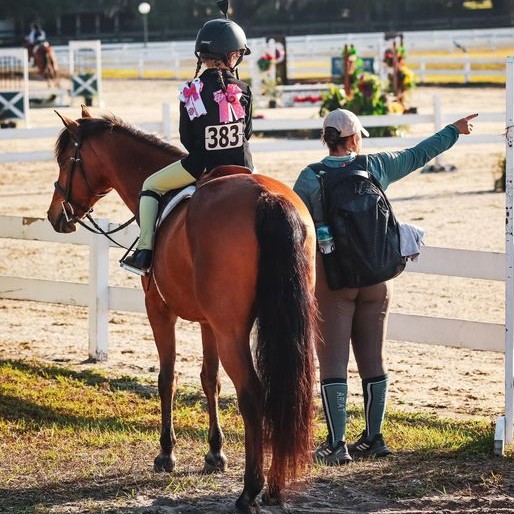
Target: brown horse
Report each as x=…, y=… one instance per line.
x=46, y=63
x=240, y=251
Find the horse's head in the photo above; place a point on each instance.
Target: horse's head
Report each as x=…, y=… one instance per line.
x=78, y=186
x=97, y=154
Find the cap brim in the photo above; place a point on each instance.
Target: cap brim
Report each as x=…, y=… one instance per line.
x=247, y=51
x=364, y=132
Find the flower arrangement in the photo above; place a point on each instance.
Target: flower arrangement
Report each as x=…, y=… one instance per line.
x=365, y=94
x=264, y=62
x=368, y=97
x=307, y=99
x=401, y=55
x=269, y=88
x=353, y=67
x=334, y=98
x=405, y=77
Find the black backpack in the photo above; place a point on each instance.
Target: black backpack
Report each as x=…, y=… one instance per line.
x=365, y=230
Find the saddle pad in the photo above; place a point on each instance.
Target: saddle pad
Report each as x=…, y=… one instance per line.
x=181, y=195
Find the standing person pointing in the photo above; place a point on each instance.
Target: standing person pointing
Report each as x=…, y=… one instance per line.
x=358, y=315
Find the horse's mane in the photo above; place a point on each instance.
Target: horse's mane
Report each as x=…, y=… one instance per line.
x=111, y=123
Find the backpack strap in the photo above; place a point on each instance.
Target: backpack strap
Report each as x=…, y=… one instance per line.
x=358, y=167
x=318, y=169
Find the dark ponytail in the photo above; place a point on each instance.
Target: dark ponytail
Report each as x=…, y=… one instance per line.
x=333, y=140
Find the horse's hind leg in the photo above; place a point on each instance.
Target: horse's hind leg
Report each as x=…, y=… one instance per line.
x=163, y=327
x=237, y=360
x=215, y=460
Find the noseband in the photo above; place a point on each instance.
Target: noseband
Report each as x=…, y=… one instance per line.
x=69, y=205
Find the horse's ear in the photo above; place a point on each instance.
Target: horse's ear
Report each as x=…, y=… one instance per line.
x=86, y=113
x=71, y=125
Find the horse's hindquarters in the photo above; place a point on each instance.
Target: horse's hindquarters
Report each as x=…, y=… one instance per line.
x=221, y=231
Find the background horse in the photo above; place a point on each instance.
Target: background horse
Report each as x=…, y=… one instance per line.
x=240, y=251
x=46, y=63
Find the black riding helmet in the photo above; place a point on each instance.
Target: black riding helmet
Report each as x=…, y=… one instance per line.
x=219, y=38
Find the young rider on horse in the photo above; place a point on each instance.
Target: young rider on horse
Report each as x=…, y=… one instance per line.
x=215, y=125
x=35, y=37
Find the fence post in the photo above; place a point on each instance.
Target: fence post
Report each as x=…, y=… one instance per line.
x=509, y=254
x=422, y=70
x=166, y=121
x=98, y=309
x=467, y=71
x=140, y=67
x=438, y=123
x=438, y=118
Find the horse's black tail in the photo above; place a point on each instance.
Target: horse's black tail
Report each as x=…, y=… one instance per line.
x=286, y=315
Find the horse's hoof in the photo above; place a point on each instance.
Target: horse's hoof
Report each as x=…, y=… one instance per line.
x=244, y=507
x=269, y=499
x=215, y=462
x=164, y=463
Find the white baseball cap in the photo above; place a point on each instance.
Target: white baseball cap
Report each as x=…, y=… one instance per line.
x=345, y=122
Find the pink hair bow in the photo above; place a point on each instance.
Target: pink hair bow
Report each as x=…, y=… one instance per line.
x=189, y=93
x=228, y=101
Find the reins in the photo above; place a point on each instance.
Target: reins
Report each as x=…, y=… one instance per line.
x=66, y=193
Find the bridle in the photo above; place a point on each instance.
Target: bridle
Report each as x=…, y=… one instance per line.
x=69, y=205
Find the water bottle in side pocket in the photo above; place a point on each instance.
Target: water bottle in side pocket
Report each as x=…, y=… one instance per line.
x=327, y=247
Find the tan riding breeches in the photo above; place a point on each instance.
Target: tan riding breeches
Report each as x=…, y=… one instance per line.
x=356, y=315
x=173, y=176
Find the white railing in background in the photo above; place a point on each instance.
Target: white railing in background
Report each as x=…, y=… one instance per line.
x=169, y=130
x=311, y=55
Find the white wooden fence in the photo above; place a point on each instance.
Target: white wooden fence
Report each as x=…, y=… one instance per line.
x=100, y=297
x=310, y=55
x=169, y=130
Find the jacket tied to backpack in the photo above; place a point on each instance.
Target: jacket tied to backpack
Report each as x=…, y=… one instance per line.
x=365, y=230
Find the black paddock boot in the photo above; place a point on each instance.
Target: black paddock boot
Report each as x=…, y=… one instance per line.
x=139, y=262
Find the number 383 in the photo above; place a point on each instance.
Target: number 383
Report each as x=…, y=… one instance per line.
x=220, y=137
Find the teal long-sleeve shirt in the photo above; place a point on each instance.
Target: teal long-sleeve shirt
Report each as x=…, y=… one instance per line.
x=386, y=167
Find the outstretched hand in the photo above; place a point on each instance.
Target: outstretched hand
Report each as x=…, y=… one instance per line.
x=463, y=125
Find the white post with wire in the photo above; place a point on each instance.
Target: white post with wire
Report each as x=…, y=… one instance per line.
x=505, y=424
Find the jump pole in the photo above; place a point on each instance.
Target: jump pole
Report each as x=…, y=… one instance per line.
x=505, y=424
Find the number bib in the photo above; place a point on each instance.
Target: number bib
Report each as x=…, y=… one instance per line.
x=221, y=137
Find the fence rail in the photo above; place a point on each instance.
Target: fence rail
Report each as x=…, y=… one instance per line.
x=99, y=297
x=169, y=131
x=308, y=56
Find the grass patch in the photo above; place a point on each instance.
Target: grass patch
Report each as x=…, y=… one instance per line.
x=82, y=436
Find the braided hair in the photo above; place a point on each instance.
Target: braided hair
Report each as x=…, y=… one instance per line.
x=202, y=57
